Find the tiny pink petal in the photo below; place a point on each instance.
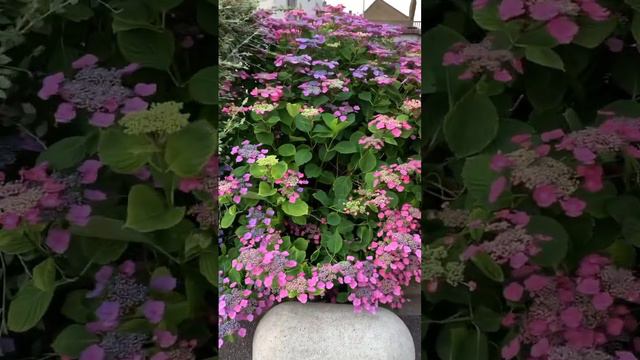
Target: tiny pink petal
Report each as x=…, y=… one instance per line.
x=102, y=119
x=85, y=61
x=562, y=29
x=58, y=240
x=509, y=9
x=65, y=113
x=143, y=89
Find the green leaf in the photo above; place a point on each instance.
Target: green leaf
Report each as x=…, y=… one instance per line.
x=163, y=5
x=189, y=149
x=626, y=73
x=74, y=306
x=436, y=42
x=227, y=219
x=487, y=319
x=303, y=156
x=299, y=208
x=265, y=189
x=44, y=275
x=367, y=162
x=301, y=244
x=554, y=250
x=278, y=170
x=346, y=147
x=471, y=125
x=635, y=26
x=593, y=33
x=147, y=48
x=73, y=340
x=287, y=150
x=108, y=229
x=312, y=170
x=28, y=307
x=488, y=266
x=206, y=11
x=544, y=56
x=124, y=153
x=77, y=12
x=14, y=242
x=342, y=187
x=203, y=85
x=332, y=241
x=488, y=17
x=333, y=219
x=631, y=230
x=208, y=264
x=102, y=251
x=365, y=95
x=147, y=211
x=293, y=109
x=303, y=123
x=545, y=88
x=478, y=177
x=65, y=153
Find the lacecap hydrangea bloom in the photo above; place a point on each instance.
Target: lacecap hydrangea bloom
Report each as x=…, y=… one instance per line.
x=98, y=91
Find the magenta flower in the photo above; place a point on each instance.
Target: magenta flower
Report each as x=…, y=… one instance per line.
x=153, y=310
x=58, y=240
x=108, y=311
x=163, y=283
x=513, y=292
x=545, y=195
x=93, y=352
x=89, y=171
x=164, y=338
x=84, y=62
x=79, y=214
x=509, y=9
x=562, y=29
x=497, y=188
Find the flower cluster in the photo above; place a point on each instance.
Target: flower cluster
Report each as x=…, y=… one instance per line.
x=121, y=294
x=387, y=124
x=160, y=118
x=550, y=180
x=234, y=187
x=510, y=241
x=41, y=196
x=395, y=176
x=578, y=314
x=291, y=183
x=343, y=111
x=559, y=16
x=248, y=152
x=437, y=266
x=96, y=90
x=368, y=200
x=481, y=58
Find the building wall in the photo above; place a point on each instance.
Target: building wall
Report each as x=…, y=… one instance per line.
x=380, y=11
x=307, y=5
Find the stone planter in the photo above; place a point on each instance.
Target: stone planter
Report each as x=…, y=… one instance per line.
x=317, y=331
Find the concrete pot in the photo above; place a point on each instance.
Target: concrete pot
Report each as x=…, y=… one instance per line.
x=318, y=331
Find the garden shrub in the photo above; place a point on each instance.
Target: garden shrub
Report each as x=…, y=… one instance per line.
x=107, y=106
x=531, y=145
x=319, y=190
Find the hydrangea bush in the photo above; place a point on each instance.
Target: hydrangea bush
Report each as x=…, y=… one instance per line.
x=108, y=107
x=319, y=178
x=531, y=145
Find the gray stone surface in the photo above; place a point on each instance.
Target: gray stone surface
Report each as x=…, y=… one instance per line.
x=317, y=331
x=410, y=313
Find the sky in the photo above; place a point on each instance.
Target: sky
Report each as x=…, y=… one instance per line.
x=356, y=5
